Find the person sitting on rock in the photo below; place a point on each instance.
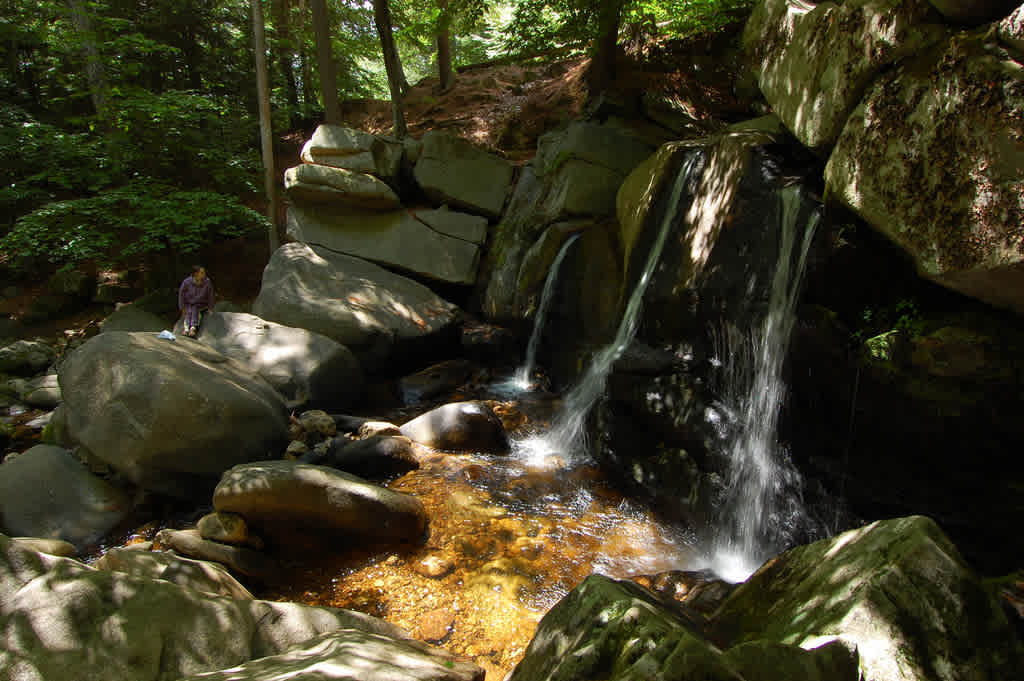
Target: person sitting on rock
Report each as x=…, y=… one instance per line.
x=195, y=296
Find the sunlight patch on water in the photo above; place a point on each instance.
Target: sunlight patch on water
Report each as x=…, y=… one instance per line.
x=538, y=452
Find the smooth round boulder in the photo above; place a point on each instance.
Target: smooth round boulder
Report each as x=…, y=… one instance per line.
x=298, y=505
x=461, y=427
x=378, y=456
x=171, y=416
x=45, y=492
x=26, y=357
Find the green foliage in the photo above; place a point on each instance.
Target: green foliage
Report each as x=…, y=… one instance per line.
x=138, y=220
x=903, y=316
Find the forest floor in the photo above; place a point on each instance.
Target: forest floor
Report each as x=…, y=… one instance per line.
x=502, y=107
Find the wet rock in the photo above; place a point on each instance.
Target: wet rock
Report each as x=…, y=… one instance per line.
x=435, y=380
x=53, y=547
x=879, y=587
x=459, y=426
x=380, y=316
x=489, y=343
x=349, y=424
x=351, y=654
x=63, y=621
x=26, y=357
x=193, y=574
x=169, y=416
x=374, y=428
x=378, y=456
x=46, y=493
x=242, y=560
x=434, y=567
x=296, y=450
x=435, y=626
x=292, y=503
x=318, y=423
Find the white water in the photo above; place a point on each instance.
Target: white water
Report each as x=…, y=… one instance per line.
x=525, y=372
x=761, y=506
x=568, y=435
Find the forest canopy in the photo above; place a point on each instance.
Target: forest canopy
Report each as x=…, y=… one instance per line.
x=130, y=129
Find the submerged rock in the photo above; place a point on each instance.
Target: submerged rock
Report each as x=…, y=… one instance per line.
x=460, y=426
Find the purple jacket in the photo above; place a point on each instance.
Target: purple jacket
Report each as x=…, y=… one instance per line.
x=191, y=293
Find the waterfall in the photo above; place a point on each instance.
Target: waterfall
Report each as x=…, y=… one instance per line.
x=568, y=435
x=761, y=506
x=523, y=374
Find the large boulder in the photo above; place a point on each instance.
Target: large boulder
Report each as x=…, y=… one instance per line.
x=897, y=589
x=375, y=313
x=814, y=62
x=973, y=12
x=193, y=574
x=295, y=504
x=451, y=170
x=170, y=416
x=617, y=630
x=63, y=621
x=46, y=492
x=305, y=367
x=394, y=239
x=340, y=147
x=131, y=317
x=324, y=184
x=459, y=426
x=945, y=131
x=350, y=654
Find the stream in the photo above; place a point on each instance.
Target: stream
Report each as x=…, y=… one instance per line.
x=509, y=536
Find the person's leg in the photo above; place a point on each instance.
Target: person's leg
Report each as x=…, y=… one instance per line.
x=191, y=320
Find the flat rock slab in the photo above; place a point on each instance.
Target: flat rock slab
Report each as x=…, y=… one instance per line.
x=305, y=367
x=472, y=228
x=451, y=170
x=341, y=147
x=199, y=575
x=366, y=308
x=325, y=184
x=47, y=493
x=286, y=502
x=395, y=239
x=353, y=655
x=169, y=415
x=63, y=621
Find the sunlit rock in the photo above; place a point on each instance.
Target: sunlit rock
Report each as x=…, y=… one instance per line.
x=239, y=559
x=460, y=426
x=932, y=159
x=397, y=239
x=377, y=314
x=323, y=184
x=351, y=654
x=814, y=62
x=451, y=170
x=355, y=150
x=63, y=621
x=227, y=528
x=169, y=416
x=291, y=503
x=45, y=492
x=1011, y=30
x=897, y=589
x=193, y=574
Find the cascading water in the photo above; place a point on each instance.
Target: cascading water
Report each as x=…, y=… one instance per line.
x=568, y=435
x=761, y=507
x=523, y=374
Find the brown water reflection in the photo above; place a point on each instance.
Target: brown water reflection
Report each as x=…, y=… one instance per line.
x=509, y=536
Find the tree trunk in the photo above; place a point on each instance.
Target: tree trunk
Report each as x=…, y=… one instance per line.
x=328, y=79
x=602, y=63
x=382, y=18
x=259, y=46
x=444, y=47
x=306, y=70
x=285, y=52
x=95, y=73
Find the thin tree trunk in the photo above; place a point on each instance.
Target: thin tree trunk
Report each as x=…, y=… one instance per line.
x=444, y=47
x=328, y=79
x=306, y=69
x=259, y=46
x=285, y=52
x=382, y=18
x=602, y=64
x=95, y=73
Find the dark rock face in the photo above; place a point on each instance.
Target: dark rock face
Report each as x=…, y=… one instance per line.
x=379, y=456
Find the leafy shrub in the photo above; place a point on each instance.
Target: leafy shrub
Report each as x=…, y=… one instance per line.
x=138, y=220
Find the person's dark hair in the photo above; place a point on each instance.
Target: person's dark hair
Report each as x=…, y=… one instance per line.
x=196, y=268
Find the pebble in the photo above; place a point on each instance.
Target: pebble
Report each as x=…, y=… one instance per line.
x=434, y=567
x=436, y=625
